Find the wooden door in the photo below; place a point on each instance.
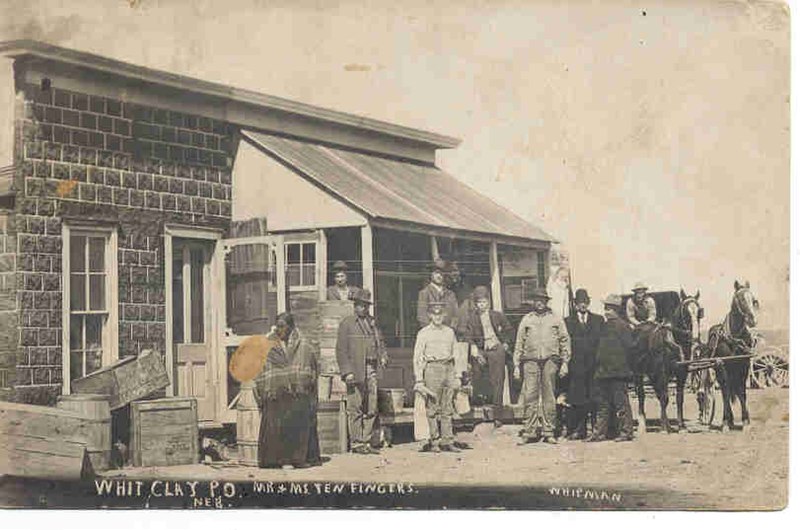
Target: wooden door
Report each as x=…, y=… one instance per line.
x=191, y=322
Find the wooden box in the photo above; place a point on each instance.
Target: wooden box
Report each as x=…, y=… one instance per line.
x=126, y=380
x=332, y=427
x=164, y=432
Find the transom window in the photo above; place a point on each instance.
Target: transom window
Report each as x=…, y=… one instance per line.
x=90, y=285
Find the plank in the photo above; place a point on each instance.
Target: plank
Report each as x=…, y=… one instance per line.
x=33, y=456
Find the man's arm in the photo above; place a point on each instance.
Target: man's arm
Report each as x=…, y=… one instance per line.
x=630, y=312
x=419, y=356
x=343, y=354
x=564, y=347
x=651, y=309
x=520, y=344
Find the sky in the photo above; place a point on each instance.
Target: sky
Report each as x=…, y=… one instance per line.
x=651, y=138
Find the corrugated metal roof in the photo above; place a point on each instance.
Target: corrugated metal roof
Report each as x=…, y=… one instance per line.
x=394, y=190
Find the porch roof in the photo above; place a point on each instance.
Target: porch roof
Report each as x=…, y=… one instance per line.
x=386, y=189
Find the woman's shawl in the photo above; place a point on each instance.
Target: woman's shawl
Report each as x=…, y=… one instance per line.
x=288, y=371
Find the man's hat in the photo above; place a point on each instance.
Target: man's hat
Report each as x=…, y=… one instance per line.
x=480, y=292
x=363, y=296
x=438, y=265
x=436, y=308
x=613, y=300
x=581, y=296
x=339, y=266
x=539, y=293
x=640, y=286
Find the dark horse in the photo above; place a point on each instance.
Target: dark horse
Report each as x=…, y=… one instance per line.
x=667, y=344
x=733, y=337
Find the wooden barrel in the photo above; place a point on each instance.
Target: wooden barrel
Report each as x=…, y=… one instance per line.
x=95, y=408
x=332, y=427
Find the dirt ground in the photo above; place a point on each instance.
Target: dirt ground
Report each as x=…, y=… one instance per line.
x=699, y=469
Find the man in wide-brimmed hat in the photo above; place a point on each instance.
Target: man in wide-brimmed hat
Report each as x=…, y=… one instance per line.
x=541, y=354
x=360, y=352
x=435, y=378
x=437, y=292
x=341, y=290
x=641, y=307
x=584, y=329
x=611, y=376
x=490, y=334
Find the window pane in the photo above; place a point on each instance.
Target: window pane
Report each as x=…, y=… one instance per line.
x=198, y=321
x=293, y=254
x=76, y=332
x=94, y=332
x=77, y=253
x=94, y=361
x=97, y=252
x=75, y=364
x=97, y=292
x=309, y=272
x=309, y=253
x=177, y=297
x=77, y=292
x=293, y=275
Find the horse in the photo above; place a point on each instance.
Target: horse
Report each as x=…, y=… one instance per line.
x=657, y=360
x=685, y=321
x=733, y=337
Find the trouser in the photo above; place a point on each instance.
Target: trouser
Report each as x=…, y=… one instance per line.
x=613, y=406
x=362, y=407
x=439, y=378
x=577, y=415
x=538, y=391
x=496, y=361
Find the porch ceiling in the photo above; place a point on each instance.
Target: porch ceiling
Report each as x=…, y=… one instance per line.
x=393, y=190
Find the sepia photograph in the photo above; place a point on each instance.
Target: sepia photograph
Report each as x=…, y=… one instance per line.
x=521, y=255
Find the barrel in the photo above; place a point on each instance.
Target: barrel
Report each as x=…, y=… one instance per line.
x=95, y=408
x=332, y=427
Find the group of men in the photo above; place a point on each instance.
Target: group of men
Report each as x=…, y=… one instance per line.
x=584, y=356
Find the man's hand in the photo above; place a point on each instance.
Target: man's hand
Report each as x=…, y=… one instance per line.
x=480, y=358
x=517, y=375
x=564, y=370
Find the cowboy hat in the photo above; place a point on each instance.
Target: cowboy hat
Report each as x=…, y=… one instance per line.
x=640, y=286
x=362, y=296
x=613, y=300
x=539, y=293
x=438, y=265
x=339, y=265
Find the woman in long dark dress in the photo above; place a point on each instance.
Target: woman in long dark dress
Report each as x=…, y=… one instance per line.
x=287, y=389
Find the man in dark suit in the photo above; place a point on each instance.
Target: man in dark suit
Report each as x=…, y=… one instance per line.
x=584, y=329
x=341, y=290
x=360, y=352
x=437, y=292
x=492, y=336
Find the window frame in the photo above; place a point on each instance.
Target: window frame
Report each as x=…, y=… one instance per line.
x=110, y=332
x=315, y=262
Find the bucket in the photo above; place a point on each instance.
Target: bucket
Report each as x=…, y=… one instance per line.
x=391, y=400
x=95, y=408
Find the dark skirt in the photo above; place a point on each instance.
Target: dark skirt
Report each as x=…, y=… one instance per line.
x=288, y=433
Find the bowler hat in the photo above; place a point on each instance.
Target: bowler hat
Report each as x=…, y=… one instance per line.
x=480, y=292
x=581, y=296
x=613, y=300
x=539, y=293
x=363, y=296
x=438, y=265
x=640, y=286
x=339, y=265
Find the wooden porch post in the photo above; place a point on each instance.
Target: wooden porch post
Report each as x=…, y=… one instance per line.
x=494, y=271
x=367, y=268
x=322, y=265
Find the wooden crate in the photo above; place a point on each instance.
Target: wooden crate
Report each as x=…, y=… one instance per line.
x=332, y=427
x=164, y=432
x=126, y=380
x=44, y=442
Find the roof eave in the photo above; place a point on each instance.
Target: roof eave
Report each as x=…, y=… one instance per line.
x=30, y=48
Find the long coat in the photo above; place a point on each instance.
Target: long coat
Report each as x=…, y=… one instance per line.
x=614, y=350
x=474, y=328
x=584, y=339
x=354, y=346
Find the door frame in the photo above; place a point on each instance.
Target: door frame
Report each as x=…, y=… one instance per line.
x=216, y=288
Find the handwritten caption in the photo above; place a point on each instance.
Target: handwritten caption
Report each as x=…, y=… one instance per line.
x=223, y=494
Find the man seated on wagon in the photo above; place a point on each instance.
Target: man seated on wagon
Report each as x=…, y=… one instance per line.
x=641, y=313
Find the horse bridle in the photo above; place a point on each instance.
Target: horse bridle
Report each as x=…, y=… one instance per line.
x=681, y=311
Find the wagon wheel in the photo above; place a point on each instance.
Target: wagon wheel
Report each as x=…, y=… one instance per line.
x=769, y=369
x=695, y=379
